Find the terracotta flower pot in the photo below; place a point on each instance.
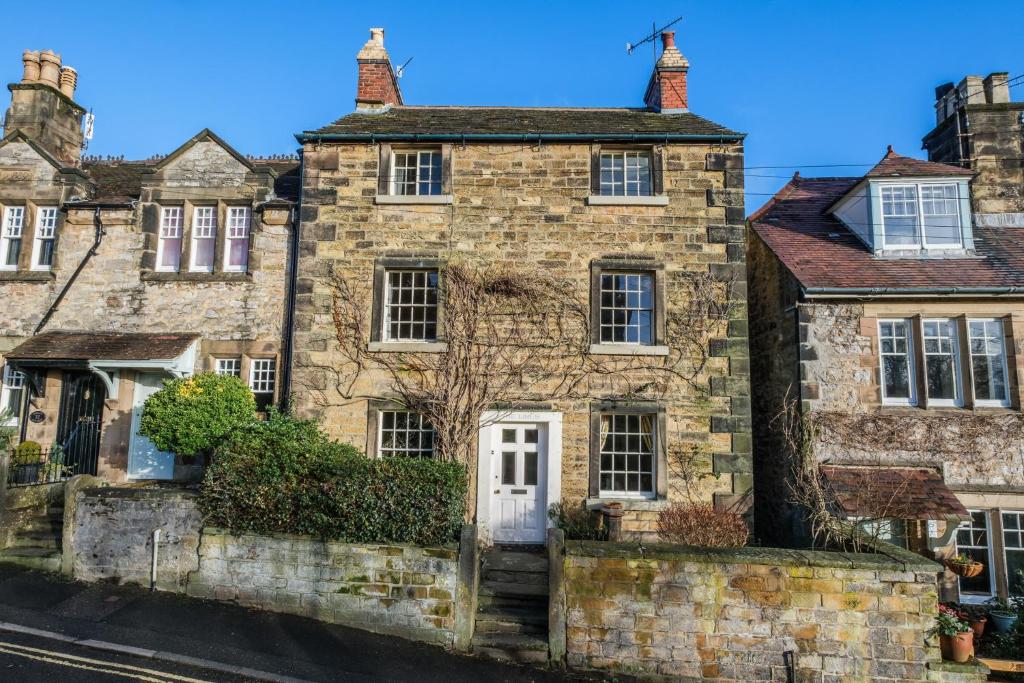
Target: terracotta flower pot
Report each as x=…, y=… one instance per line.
x=958, y=648
x=967, y=570
x=978, y=626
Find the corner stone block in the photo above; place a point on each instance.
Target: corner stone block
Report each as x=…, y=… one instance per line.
x=727, y=198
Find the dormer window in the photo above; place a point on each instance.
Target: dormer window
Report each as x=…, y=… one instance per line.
x=921, y=215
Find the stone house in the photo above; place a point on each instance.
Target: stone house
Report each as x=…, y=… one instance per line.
x=118, y=274
x=887, y=360
x=636, y=213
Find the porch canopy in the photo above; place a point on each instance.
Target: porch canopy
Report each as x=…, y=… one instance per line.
x=103, y=353
x=871, y=492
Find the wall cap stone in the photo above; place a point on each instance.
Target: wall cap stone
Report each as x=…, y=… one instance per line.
x=448, y=551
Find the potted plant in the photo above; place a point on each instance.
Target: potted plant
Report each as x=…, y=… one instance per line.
x=956, y=639
x=1003, y=614
x=965, y=566
x=26, y=462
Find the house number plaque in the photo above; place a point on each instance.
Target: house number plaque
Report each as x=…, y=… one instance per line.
x=36, y=416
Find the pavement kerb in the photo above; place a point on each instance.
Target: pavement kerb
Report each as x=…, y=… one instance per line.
x=158, y=655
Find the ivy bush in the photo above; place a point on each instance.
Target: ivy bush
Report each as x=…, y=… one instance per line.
x=193, y=415
x=286, y=476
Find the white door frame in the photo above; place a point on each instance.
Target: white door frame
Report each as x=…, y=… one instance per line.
x=489, y=420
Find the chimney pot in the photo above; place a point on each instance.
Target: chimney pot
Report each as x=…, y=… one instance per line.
x=30, y=59
x=68, y=81
x=377, y=36
x=668, y=39
x=378, y=87
x=49, y=68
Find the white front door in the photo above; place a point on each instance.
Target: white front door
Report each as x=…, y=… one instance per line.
x=145, y=461
x=519, y=482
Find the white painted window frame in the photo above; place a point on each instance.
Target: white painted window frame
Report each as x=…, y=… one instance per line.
x=978, y=597
x=263, y=374
x=231, y=367
x=46, y=231
x=10, y=380
x=235, y=230
x=920, y=234
x=393, y=185
x=958, y=398
x=626, y=155
x=12, y=228
x=1002, y=543
x=989, y=403
x=172, y=227
x=909, y=357
x=395, y=452
x=639, y=274
x=632, y=495
x=385, y=317
x=204, y=228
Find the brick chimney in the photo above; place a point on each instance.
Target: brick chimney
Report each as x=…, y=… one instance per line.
x=43, y=106
x=378, y=87
x=666, y=91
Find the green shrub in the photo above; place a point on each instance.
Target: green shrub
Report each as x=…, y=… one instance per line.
x=578, y=522
x=286, y=476
x=192, y=415
x=28, y=452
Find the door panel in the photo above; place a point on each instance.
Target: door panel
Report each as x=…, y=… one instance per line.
x=519, y=466
x=145, y=460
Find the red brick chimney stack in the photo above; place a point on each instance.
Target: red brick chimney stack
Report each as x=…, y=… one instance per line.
x=666, y=91
x=378, y=87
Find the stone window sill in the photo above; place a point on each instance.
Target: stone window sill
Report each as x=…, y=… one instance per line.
x=627, y=350
x=407, y=347
x=631, y=504
x=413, y=199
x=159, y=276
x=917, y=411
x=605, y=200
x=27, y=276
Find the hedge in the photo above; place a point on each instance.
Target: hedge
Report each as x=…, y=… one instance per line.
x=287, y=476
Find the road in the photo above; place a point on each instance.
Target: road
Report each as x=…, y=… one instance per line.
x=131, y=634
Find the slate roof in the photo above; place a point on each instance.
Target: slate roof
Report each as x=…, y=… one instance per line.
x=821, y=252
x=119, y=182
x=85, y=346
x=519, y=121
x=898, y=492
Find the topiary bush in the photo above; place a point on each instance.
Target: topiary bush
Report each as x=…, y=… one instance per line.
x=286, y=476
x=193, y=415
x=701, y=524
x=27, y=453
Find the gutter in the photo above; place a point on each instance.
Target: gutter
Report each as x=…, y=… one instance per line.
x=311, y=136
x=100, y=232
x=288, y=342
x=842, y=292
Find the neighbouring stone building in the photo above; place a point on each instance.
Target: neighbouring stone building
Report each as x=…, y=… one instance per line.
x=887, y=346
x=118, y=274
x=634, y=213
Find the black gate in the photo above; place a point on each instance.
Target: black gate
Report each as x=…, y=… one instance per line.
x=81, y=415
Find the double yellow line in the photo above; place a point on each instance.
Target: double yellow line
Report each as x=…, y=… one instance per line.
x=135, y=673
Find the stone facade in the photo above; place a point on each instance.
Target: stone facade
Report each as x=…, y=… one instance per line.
x=398, y=590
x=112, y=536
x=104, y=277
x=665, y=612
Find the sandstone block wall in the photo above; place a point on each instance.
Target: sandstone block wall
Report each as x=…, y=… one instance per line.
x=751, y=614
x=112, y=538
x=399, y=590
x=525, y=207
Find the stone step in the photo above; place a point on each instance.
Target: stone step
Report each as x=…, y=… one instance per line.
x=511, y=647
x=501, y=576
x=504, y=626
x=520, y=602
x=55, y=522
x=33, y=558
x=510, y=561
x=502, y=589
x=35, y=540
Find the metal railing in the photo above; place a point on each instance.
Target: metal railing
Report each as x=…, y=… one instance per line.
x=33, y=467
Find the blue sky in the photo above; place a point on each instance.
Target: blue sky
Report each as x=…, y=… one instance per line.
x=810, y=82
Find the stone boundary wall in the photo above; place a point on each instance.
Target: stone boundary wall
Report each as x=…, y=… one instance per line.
x=394, y=589
x=112, y=535
x=752, y=614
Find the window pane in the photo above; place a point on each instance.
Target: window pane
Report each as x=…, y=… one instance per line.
x=940, y=345
x=972, y=540
x=627, y=308
x=988, y=360
x=530, y=475
x=404, y=433
x=941, y=215
x=899, y=215
x=894, y=345
x=411, y=310
x=508, y=468
x=508, y=436
x=627, y=454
